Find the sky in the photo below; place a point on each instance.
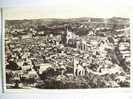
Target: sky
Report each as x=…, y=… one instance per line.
x=34, y=9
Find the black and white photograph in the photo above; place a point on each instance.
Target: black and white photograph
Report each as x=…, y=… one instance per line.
x=47, y=50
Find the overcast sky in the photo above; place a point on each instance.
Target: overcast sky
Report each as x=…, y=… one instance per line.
x=66, y=8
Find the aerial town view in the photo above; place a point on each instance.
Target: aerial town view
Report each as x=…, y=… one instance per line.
x=72, y=53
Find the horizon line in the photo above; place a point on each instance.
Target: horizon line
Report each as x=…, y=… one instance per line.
x=65, y=18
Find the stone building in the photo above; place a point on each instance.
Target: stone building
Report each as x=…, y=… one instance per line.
x=78, y=69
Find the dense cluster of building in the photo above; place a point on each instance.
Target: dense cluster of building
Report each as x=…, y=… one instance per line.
x=34, y=58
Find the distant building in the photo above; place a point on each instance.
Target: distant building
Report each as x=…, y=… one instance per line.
x=78, y=69
x=91, y=32
x=69, y=35
x=44, y=67
x=26, y=36
x=81, y=45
